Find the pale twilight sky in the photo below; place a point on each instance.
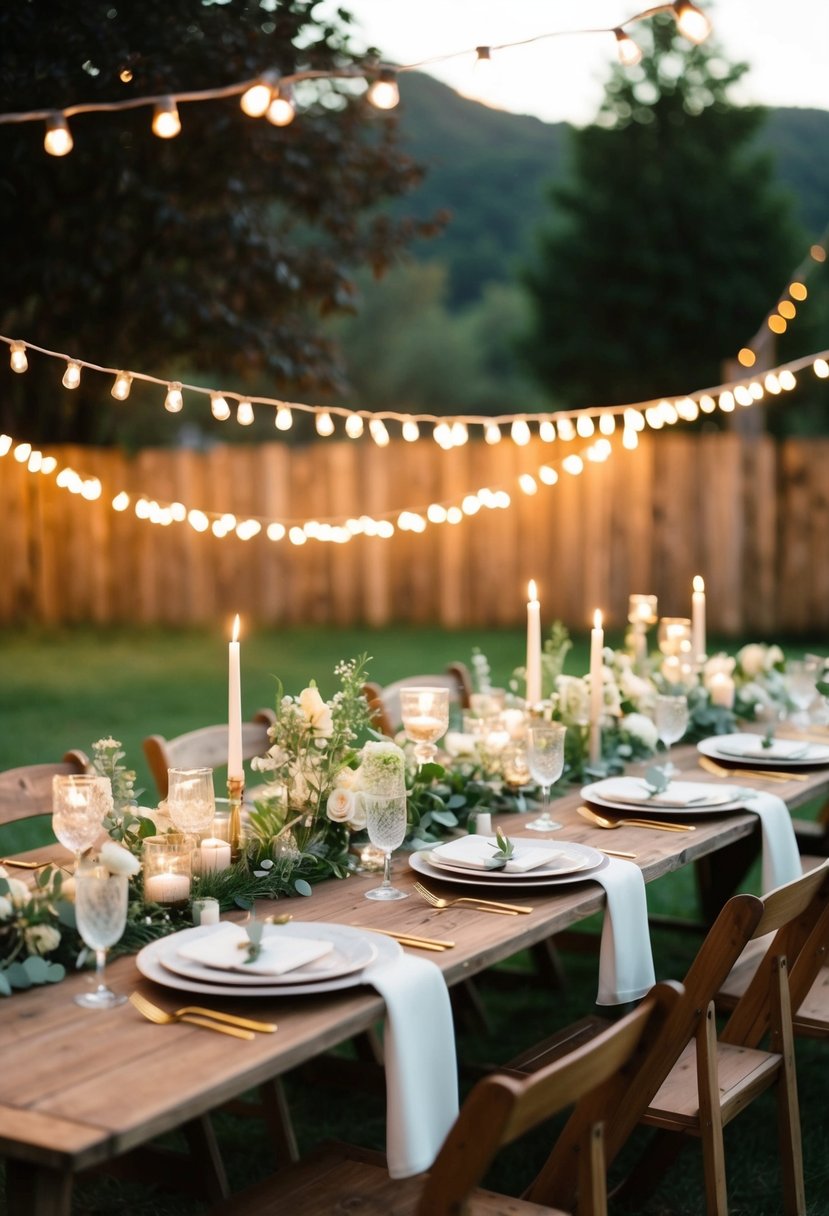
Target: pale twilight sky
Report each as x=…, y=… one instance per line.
x=786, y=42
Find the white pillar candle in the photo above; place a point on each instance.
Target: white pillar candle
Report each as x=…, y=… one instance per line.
x=721, y=689
x=698, y=620
x=206, y=911
x=483, y=824
x=596, y=687
x=533, y=646
x=234, y=708
x=167, y=888
x=214, y=854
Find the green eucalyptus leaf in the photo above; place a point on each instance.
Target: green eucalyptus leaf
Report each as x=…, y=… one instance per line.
x=146, y=827
x=302, y=887
x=430, y=772
x=55, y=973
x=456, y=801
x=447, y=818
x=5, y=986
x=4, y=886
x=18, y=976
x=36, y=968
x=66, y=913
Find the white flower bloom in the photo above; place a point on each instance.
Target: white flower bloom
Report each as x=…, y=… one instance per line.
x=774, y=655
x=752, y=659
x=341, y=805
x=347, y=779
x=316, y=710
x=357, y=819
x=41, y=939
x=18, y=892
x=573, y=699
x=119, y=860
x=459, y=744
x=5, y=908
x=718, y=664
x=638, y=727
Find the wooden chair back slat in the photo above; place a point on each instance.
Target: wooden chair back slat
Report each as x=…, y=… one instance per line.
x=384, y=702
x=204, y=748
x=26, y=792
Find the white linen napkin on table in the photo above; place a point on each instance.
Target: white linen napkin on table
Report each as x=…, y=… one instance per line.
x=225, y=949
x=421, y=1069
x=473, y=852
x=750, y=747
x=780, y=855
x=625, y=959
x=677, y=795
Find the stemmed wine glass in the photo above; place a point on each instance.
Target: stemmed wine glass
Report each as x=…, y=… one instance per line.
x=386, y=819
x=545, y=759
x=79, y=805
x=191, y=800
x=801, y=685
x=100, y=914
x=671, y=720
x=425, y=716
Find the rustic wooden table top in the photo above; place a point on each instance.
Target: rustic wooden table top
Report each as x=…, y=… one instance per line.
x=79, y=1087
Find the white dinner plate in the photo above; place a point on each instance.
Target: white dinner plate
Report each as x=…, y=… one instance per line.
x=478, y=878
x=573, y=858
x=729, y=748
x=593, y=794
x=348, y=956
x=149, y=962
x=678, y=796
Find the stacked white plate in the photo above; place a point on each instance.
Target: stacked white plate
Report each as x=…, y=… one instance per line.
x=748, y=749
x=622, y=794
x=535, y=863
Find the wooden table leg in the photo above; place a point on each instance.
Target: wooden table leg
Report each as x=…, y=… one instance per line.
x=37, y=1190
x=719, y=874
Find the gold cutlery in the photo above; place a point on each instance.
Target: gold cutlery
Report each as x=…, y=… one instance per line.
x=718, y=770
x=410, y=939
x=616, y=853
x=161, y=1018
x=486, y=905
x=601, y=821
x=25, y=865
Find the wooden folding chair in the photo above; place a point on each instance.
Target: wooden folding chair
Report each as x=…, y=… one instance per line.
x=499, y=1110
x=26, y=792
x=205, y=747
x=384, y=702
x=700, y=1081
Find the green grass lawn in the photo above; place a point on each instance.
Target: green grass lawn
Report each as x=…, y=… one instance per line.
x=66, y=689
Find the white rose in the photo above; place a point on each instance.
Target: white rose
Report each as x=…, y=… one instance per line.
x=774, y=655
x=357, y=819
x=18, y=892
x=316, y=710
x=119, y=860
x=341, y=805
x=347, y=779
x=642, y=729
x=459, y=744
x=718, y=664
x=41, y=939
x=5, y=908
x=515, y=723
x=752, y=659
x=634, y=687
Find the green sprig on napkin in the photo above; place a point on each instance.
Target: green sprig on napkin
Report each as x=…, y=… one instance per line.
x=504, y=850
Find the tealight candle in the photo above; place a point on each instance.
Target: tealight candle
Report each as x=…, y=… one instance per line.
x=167, y=888
x=214, y=854
x=483, y=824
x=424, y=727
x=167, y=867
x=721, y=689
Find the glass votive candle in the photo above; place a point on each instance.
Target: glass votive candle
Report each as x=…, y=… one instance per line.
x=167, y=866
x=205, y=911
x=221, y=820
x=675, y=635
x=514, y=765
x=642, y=609
x=213, y=855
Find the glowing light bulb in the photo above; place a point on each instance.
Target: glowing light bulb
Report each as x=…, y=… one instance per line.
x=411, y=431
x=219, y=407
x=630, y=438
x=821, y=368
x=777, y=324
x=72, y=375
x=383, y=92
x=629, y=53
x=297, y=537
x=788, y=380
x=436, y=514
x=653, y=417
x=471, y=504
x=726, y=402
x=166, y=122
x=58, y=138
x=442, y=435
x=256, y=99
x=354, y=426
x=18, y=360
x=121, y=501
x=460, y=434
x=547, y=431
x=197, y=520
x=275, y=531
x=492, y=433
x=284, y=418
x=483, y=63
x=566, y=430
x=22, y=452
x=787, y=310
x=691, y=22
x=817, y=253
x=244, y=413
x=572, y=464
x=324, y=424
x=548, y=475
x=174, y=401
x=756, y=390
x=742, y=395
x=527, y=484
x=379, y=433
x=281, y=111
x=584, y=426
x=49, y=462
x=454, y=515
x=772, y=384
x=121, y=387
x=520, y=433
x=746, y=356
x=798, y=291
x=607, y=424
x=707, y=403
x=6, y=442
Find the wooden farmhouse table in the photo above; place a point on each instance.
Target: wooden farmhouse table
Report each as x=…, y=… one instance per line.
x=80, y=1088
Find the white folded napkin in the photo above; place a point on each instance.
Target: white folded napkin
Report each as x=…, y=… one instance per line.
x=473, y=852
x=225, y=950
x=679, y=794
x=780, y=855
x=751, y=747
x=421, y=1069
x=625, y=959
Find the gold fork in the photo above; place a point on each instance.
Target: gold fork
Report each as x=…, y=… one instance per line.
x=160, y=1016
x=719, y=770
x=486, y=905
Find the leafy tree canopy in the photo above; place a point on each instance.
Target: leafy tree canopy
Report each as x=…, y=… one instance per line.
x=668, y=243
x=214, y=252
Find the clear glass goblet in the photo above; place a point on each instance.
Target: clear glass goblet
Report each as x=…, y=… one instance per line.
x=670, y=717
x=425, y=716
x=801, y=686
x=545, y=760
x=101, y=914
x=386, y=819
x=80, y=804
x=191, y=801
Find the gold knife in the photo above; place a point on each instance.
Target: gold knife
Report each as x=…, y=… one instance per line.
x=231, y=1019
x=410, y=939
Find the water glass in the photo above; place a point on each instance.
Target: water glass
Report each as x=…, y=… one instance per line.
x=386, y=820
x=191, y=801
x=425, y=715
x=79, y=805
x=101, y=915
x=670, y=718
x=801, y=685
x=545, y=760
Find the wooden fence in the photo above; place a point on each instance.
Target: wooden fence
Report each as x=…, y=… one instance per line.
x=750, y=515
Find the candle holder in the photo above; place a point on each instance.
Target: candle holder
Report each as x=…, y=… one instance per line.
x=167, y=869
x=425, y=714
x=675, y=636
x=642, y=613
x=235, y=795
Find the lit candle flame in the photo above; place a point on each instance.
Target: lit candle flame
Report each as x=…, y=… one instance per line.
x=235, y=637
x=699, y=584
x=597, y=619
x=531, y=590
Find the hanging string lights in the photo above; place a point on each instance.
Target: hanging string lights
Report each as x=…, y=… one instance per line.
x=271, y=94
x=779, y=318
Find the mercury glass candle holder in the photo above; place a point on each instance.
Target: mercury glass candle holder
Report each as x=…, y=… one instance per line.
x=675, y=636
x=167, y=868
